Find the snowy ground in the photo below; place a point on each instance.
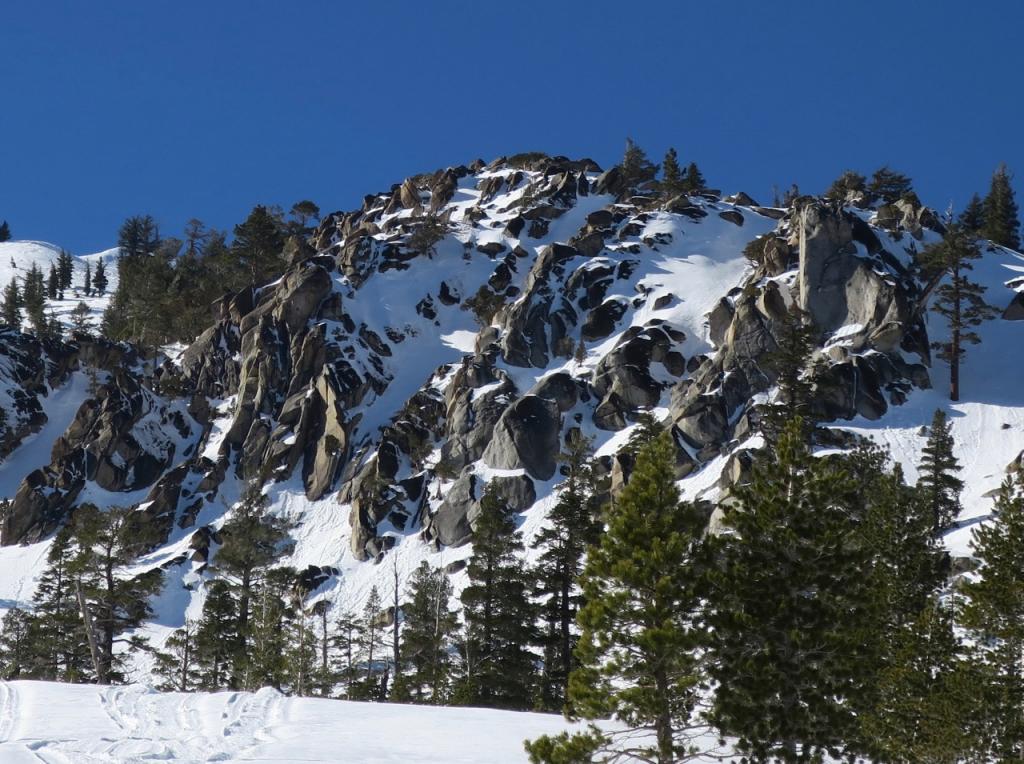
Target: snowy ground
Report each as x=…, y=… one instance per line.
x=17, y=257
x=83, y=724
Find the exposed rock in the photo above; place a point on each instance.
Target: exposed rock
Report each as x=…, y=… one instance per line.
x=526, y=436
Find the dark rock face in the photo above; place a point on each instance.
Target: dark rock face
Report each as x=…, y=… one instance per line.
x=526, y=436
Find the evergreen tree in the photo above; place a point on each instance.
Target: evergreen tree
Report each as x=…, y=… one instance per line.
x=99, y=280
x=60, y=637
x=65, y=269
x=33, y=297
x=53, y=283
x=789, y=603
x=81, y=318
x=324, y=677
x=430, y=625
x=217, y=639
x=87, y=287
x=303, y=212
x=694, y=182
x=639, y=653
x=1002, y=226
x=888, y=186
x=371, y=644
x=17, y=645
x=847, y=183
x=957, y=299
x=937, y=482
x=672, y=180
x=796, y=340
x=196, y=236
x=345, y=645
x=177, y=665
x=253, y=542
x=111, y=601
x=12, y=305
x=927, y=696
x=499, y=617
x=636, y=167
x=258, y=244
x=972, y=219
x=271, y=659
x=5, y=231
x=994, y=614
x=138, y=237
x=572, y=528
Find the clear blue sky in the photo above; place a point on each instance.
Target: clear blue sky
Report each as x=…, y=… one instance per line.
x=203, y=109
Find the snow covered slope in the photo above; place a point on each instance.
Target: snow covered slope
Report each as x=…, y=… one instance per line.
x=81, y=724
x=18, y=257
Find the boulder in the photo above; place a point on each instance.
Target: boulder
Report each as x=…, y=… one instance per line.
x=526, y=437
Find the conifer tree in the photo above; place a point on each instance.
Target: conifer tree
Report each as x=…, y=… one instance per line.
x=17, y=645
x=259, y=241
x=957, y=299
x=87, y=286
x=111, y=601
x=789, y=602
x=636, y=167
x=253, y=542
x=217, y=639
x=639, y=660
x=12, y=305
x=1002, y=225
x=430, y=625
x=177, y=665
x=62, y=655
x=672, y=180
x=345, y=646
x=847, y=183
x=499, y=617
x=99, y=280
x=33, y=297
x=5, y=231
x=371, y=644
x=271, y=657
x=694, y=182
x=927, y=704
x=52, y=283
x=937, y=482
x=138, y=236
x=994, y=614
x=789, y=363
x=65, y=269
x=81, y=318
x=196, y=236
x=888, y=186
x=572, y=528
x=972, y=219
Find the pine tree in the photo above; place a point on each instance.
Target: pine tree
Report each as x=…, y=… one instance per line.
x=217, y=639
x=371, y=644
x=430, y=626
x=788, y=606
x=65, y=269
x=53, y=283
x=271, y=658
x=639, y=653
x=994, y=614
x=17, y=645
x=99, y=280
x=111, y=601
x=888, y=186
x=927, y=703
x=572, y=528
x=87, y=287
x=957, y=299
x=12, y=305
x=300, y=652
x=345, y=645
x=694, y=182
x=499, y=617
x=5, y=231
x=972, y=219
x=253, y=542
x=138, y=236
x=847, y=183
x=196, y=236
x=636, y=167
x=258, y=244
x=33, y=297
x=62, y=652
x=672, y=181
x=796, y=340
x=324, y=676
x=177, y=665
x=81, y=318
x=302, y=213
x=937, y=482
x=1002, y=226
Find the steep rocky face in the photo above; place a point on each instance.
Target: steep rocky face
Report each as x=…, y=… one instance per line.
x=453, y=330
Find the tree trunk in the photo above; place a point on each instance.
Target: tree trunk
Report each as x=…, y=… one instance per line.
x=90, y=635
x=663, y=723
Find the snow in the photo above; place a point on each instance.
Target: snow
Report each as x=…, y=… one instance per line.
x=82, y=724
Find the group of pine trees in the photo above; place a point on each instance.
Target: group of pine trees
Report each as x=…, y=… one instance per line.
x=166, y=285
x=636, y=169
x=26, y=303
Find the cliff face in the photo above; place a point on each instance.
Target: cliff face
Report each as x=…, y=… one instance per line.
x=453, y=332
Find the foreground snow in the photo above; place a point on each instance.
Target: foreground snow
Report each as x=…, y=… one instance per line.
x=86, y=724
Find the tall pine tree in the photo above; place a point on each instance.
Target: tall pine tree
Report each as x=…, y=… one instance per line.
x=430, y=626
x=937, y=482
x=639, y=653
x=1002, y=224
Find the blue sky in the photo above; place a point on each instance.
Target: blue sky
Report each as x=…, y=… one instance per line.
x=203, y=109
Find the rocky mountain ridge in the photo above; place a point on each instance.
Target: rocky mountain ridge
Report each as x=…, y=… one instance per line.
x=452, y=332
